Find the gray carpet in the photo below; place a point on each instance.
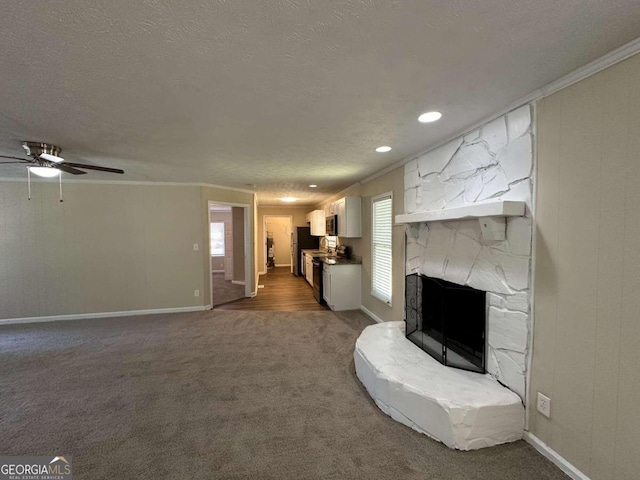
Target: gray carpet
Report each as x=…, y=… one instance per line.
x=224, y=291
x=218, y=394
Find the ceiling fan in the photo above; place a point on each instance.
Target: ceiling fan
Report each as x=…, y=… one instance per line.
x=45, y=161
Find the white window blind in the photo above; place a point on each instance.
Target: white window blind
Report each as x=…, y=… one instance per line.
x=382, y=212
x=217, y=239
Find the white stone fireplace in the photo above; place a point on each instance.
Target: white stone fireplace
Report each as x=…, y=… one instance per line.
x=492, y=165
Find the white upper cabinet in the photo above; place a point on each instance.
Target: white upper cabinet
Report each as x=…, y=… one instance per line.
x=317, y=221
x=349, y=211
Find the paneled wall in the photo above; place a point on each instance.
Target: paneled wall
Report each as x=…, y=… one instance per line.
x=586, y=354
x=106, y=248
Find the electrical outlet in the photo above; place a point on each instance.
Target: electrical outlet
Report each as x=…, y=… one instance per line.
x=544, y=405
x=196, y=293
x=196, y=247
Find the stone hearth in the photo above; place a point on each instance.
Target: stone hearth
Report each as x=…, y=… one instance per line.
x=464, y=410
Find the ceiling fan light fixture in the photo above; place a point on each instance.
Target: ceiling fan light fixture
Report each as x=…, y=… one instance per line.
x=46, y=172
x=51, y=158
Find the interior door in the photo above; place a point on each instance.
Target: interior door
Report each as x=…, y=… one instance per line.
x=228, y=251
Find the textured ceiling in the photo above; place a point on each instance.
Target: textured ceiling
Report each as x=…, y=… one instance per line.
x=278, y=94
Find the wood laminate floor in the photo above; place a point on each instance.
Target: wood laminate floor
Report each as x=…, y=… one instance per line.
x=282, y=291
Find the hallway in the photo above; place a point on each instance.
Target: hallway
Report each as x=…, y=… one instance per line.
x=282, y=292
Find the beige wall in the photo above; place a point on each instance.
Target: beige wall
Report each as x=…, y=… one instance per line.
x=298, y=215
x=390, y=182
x=280, y=229
x=586, y=354
x=238, y=244
x=106, y=248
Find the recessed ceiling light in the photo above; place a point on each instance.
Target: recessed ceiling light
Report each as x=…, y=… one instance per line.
x=383, y=149
x=289, y=199
x=313, y=186
x=429, y=117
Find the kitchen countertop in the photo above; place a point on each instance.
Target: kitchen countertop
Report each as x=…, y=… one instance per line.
x=341, y=261
x=314, y=251
x=331, y=259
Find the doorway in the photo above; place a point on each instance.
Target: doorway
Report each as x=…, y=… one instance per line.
x=228, y=240
x=277, y=241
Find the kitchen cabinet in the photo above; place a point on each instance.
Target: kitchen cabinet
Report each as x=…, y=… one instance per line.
x=341, y=286
x=317, y=222
x=308, y=269
x=349, y=212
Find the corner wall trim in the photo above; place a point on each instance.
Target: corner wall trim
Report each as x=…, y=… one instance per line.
x=555, y=458
x=85, y=316
x=237, y=282
x=369, y=313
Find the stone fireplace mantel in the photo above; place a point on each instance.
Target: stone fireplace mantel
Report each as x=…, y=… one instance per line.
x=502, y=208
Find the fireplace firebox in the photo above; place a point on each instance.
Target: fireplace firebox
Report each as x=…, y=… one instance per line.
x=447, y=321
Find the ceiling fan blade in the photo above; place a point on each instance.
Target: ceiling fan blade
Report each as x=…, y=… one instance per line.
x=68, y=169
x=91, y=167
x=22, y=160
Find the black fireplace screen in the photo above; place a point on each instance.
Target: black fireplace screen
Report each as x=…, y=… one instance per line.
x=447, y=321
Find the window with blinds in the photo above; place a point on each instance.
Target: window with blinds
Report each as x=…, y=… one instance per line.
x=381, y=219
x=216, y=235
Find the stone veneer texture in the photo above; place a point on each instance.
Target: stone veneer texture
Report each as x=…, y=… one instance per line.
x=492, y=163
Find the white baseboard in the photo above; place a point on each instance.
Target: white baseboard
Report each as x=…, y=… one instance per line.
x=237, y=282
x=217, y=271
x=371, y=314
x=262, y=273
x=555, y=458
x=283, y=264
x=83, y=316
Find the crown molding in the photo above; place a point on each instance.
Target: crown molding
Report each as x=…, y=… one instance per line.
x=616, y=56
x=126, y=182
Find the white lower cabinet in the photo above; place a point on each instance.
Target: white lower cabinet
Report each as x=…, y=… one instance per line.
x=341, y=286
x=308, y=269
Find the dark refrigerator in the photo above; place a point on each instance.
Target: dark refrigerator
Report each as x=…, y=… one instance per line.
x=301, y=239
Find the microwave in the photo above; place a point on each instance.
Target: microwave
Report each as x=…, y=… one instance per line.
x=332, y=225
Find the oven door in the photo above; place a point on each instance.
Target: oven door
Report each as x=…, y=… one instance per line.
x=317, y=281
